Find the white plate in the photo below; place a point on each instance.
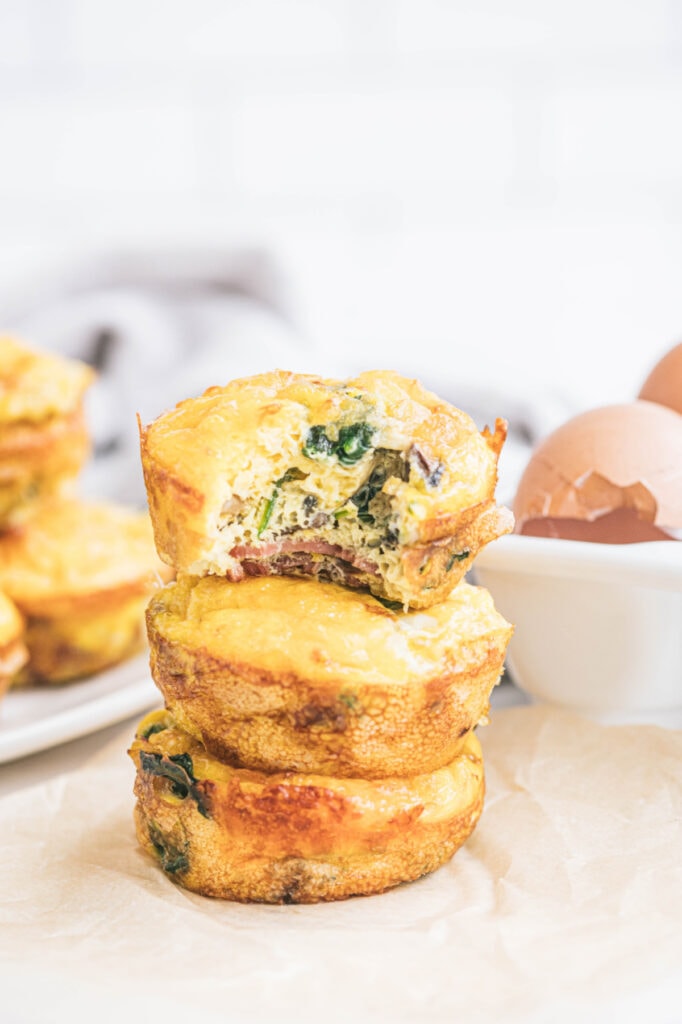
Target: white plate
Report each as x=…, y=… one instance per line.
x=36, y=718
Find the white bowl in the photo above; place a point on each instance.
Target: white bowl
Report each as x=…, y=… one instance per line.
x=598, y=626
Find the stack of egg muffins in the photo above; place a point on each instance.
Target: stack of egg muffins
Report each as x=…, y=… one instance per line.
x=322, y=661
x=75, y=576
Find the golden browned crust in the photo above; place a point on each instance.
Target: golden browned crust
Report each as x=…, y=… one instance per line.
x=285, y=674
x=43, y=438
x=86, y=640
x=72, y=550
x=217, y=466
x=81, y=573
x=37, y=461
x=428, y=567
x=35, y=386
x=288, y=838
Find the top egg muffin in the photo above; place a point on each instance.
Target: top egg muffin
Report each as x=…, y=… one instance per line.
x=372, y=482
x=43, y=438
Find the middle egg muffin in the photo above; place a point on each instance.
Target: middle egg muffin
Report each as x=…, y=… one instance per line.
x=283, y=674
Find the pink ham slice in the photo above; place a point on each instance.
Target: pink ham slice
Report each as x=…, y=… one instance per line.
x=296, y=556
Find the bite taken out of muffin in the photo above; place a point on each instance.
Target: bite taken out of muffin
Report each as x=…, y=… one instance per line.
x=322, y=661
x=373, y=482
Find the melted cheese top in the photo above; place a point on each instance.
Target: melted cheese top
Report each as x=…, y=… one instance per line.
x=36, y=385
x=321, y=631
x=237, y=440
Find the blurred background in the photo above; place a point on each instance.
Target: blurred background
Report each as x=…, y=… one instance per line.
x=486, y=194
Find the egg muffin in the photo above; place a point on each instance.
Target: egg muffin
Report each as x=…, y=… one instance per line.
x=81, y=573
x=43, y=437
x=279, y=673
x=372, y=482
x=293, y=838
x=13, y=653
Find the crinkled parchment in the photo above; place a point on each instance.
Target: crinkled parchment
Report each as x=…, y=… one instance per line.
x=566, y=904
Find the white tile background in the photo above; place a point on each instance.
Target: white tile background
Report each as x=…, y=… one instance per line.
x=485, y=189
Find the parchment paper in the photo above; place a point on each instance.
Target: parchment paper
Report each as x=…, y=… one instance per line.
x=566, y=903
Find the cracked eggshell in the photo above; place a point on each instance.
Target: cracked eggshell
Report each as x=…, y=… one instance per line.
x=612, y=475
x=664, y=383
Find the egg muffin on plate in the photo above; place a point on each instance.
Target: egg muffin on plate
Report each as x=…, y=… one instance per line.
x=284, y=674
x=13, y=653
x=43, y=437
x=372, y=482
x=294, y=838
x=81, y=573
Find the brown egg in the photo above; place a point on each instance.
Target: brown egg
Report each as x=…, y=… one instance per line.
x=612, y=475
x=664, y=383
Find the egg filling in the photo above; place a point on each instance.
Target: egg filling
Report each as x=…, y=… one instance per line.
x=293, y=527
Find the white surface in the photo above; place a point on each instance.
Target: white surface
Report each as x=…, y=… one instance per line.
x=563, y=907
x=36, y=718
x=491, y=190
x=597, y=625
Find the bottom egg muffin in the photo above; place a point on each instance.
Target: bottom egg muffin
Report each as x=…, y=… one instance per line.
x=292, y=838
x=81, y=573
x=284, y=674
x=13, y=653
